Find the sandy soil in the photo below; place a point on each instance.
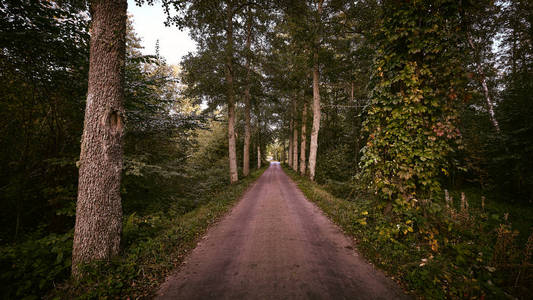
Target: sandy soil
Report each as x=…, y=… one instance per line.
x=275, y=244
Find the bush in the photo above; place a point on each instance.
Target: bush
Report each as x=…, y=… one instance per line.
x=35, y=266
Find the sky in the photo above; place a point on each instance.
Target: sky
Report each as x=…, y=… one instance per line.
x=148, y=23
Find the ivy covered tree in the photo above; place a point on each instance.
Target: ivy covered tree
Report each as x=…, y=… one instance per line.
x=417, y=85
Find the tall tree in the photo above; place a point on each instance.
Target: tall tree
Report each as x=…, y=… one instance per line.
x=417, y=84
x=479, y=30
x=99, y=210
x=228, y=71
x=247, y=125
x=316, y=95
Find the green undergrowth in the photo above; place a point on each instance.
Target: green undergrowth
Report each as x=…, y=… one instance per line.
x=154, y=243
x=157, y=244
x=459, y=250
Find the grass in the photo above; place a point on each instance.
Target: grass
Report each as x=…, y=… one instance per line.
x=157, y=244
x=439, y=251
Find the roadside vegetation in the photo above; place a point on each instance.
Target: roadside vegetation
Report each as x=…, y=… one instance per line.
x=469, y=246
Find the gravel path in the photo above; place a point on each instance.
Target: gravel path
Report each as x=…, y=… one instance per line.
x=275, y=244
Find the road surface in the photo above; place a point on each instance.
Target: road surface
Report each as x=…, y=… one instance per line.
x=275, y=244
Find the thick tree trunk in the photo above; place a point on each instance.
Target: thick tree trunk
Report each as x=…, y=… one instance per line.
x=313, y=147
x=99, y=210
x=234, y=176
x=246, y=158
x=303, y=138
x=316, y=120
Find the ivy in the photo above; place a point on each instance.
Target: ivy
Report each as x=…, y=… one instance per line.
x=416, y=86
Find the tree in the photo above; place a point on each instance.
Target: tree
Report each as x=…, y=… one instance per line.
x=247, y=125
x=417, y=85
x=98, y=225
x=316, y=96
x=228, y=70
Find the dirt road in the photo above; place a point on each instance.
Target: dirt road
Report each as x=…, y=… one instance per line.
x=275, y=244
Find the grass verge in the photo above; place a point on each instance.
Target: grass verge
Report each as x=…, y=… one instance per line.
x=459, y=250
x=157, y=244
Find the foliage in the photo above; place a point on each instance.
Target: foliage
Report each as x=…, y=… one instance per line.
x=35, y=266
x=416, y=88
x=43, y=77
x=469, y=251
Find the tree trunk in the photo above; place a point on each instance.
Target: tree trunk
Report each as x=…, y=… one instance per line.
x=246, y=158
x=258, y=156
x=234, y=176
x=316, y=120
x=295, y=139
x=490, y=105
x=313, y=147
x=289, y=157
x=99, y=210
x=303, y=138
x=283, y=151
x=295, y=148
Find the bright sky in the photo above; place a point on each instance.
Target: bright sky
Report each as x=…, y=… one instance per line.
x=148, y=23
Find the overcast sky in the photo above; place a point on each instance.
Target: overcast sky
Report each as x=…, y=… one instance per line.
x=148, y=22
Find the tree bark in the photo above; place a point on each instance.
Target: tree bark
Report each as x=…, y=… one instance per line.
x=294, y=138
x=289, y=156
x=234, y=176
x=246, y=158
x=282, y=158
x=303, y=138
x=295, y=148
x=258, y=156
x=316, y=120
x=98, y=224
x=313, y=147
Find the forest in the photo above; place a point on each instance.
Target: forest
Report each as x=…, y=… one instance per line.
x=408, y=123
